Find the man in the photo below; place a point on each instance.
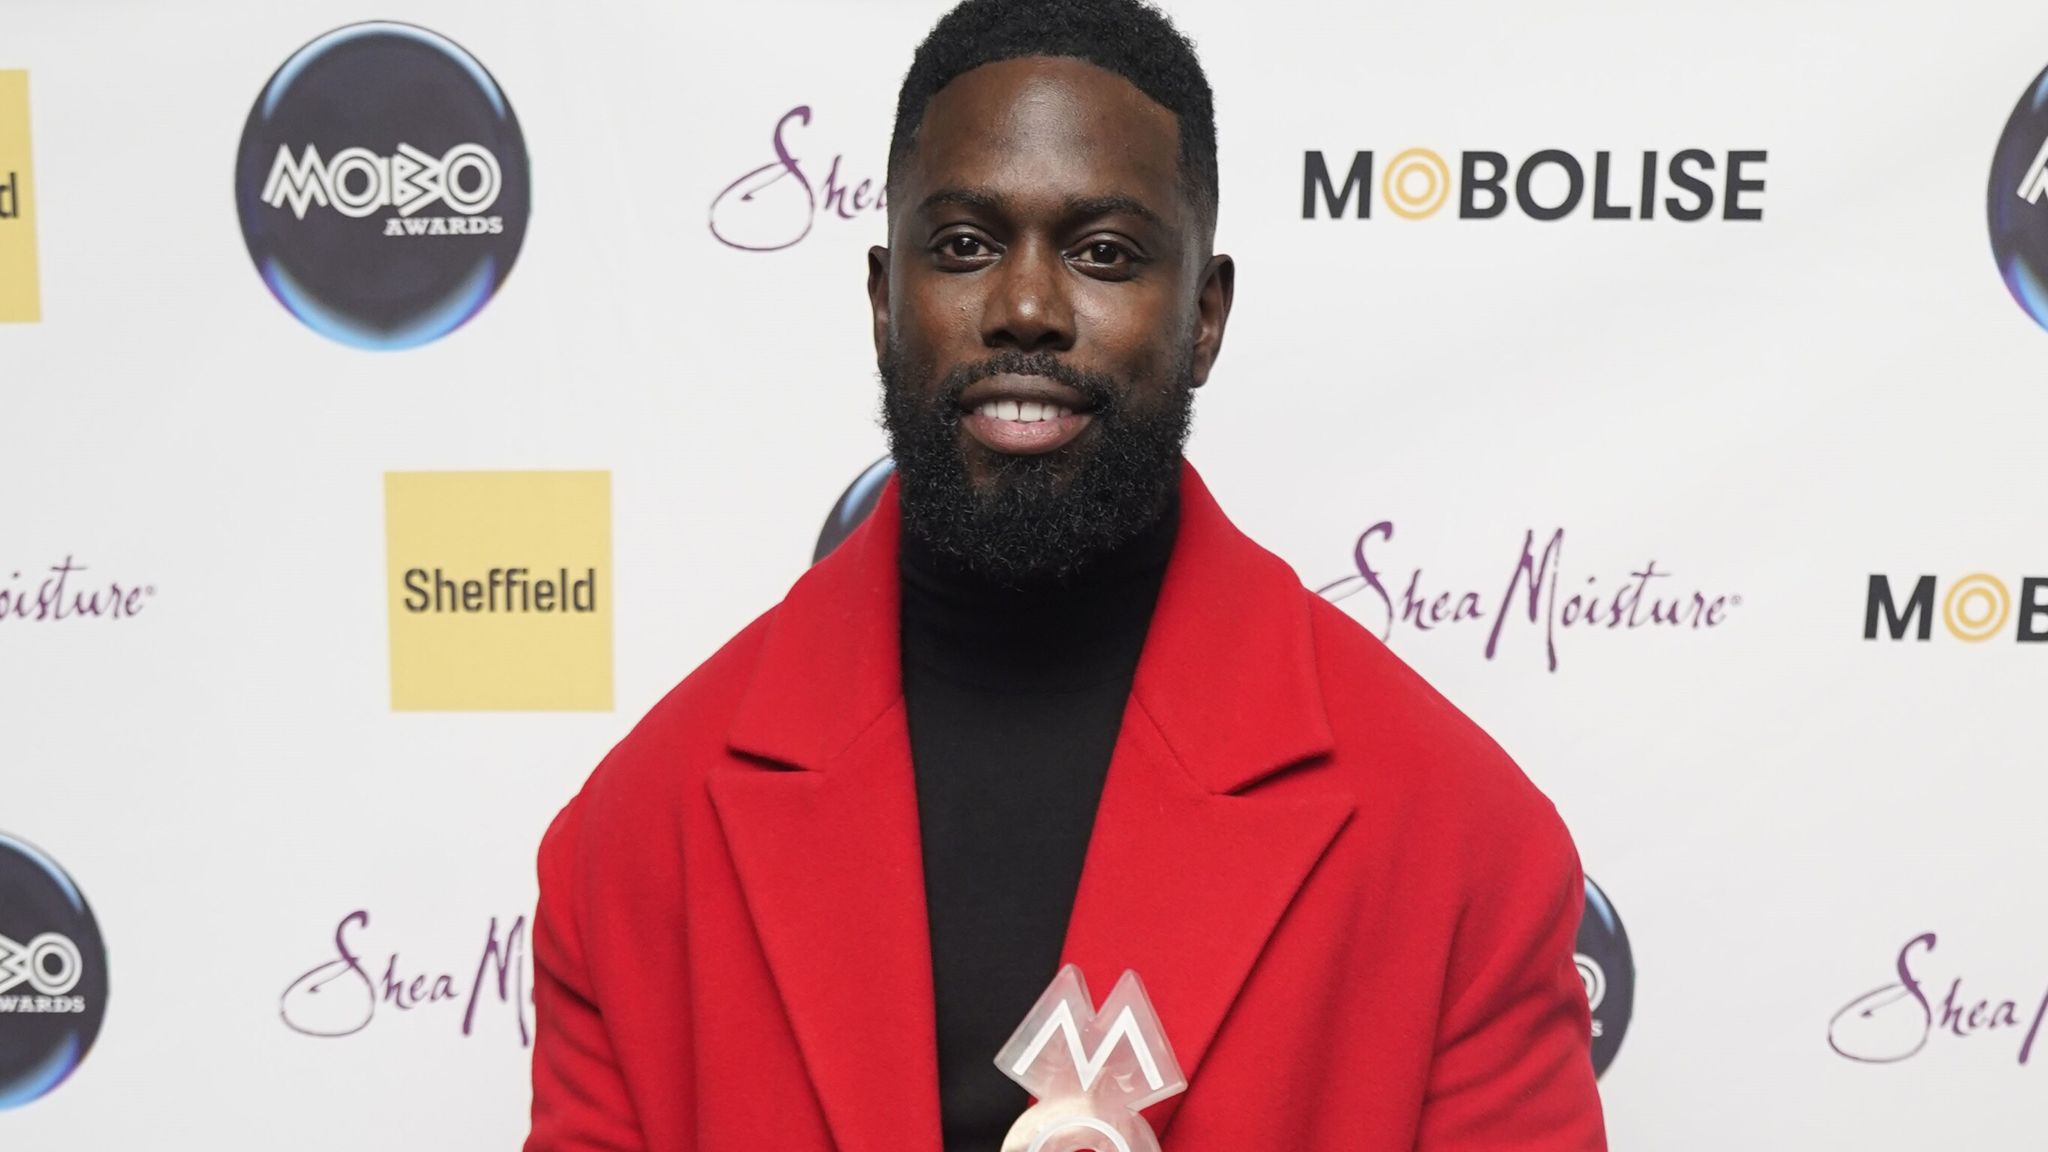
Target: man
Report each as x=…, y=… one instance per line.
x=1047, y=705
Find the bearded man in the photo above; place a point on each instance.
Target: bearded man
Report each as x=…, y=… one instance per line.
x=1048, y=706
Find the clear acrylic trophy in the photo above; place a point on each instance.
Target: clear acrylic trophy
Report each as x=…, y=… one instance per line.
x=1090, y=1071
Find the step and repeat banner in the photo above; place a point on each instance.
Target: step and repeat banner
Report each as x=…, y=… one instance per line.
x=396, y=401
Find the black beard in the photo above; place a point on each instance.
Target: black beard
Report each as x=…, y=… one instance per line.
x=1042, y=518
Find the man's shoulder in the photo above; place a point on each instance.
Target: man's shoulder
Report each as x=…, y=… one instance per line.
x=685, y=731
x=1399, y=739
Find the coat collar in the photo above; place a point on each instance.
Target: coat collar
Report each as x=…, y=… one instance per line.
x=1228, y=672
x=1189, y=868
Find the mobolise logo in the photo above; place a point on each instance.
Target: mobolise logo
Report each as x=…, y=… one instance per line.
x=1550, y=184
x=382, y=185
x=53, y=975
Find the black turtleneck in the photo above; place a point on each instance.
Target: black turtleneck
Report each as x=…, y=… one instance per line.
x=1014, y=699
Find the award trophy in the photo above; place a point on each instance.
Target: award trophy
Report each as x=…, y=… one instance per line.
x=1090, y=1071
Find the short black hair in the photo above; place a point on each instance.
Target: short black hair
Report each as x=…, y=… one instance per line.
x=1128, y=37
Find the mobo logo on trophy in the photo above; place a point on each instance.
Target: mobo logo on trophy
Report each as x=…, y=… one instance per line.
x=1090, y=1071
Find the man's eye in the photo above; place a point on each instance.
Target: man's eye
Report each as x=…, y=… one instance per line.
x=1105, y=252
x=965, y=247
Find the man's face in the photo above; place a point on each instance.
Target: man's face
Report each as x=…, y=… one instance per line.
x=1045, y=308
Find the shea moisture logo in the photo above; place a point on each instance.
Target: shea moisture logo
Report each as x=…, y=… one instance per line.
x=357, y=183
x=342, y=995
x=382, y=185
x=71, y=591
x=53, y=974
x=1541, y=593
x=1900, y=1020
x=499, y=586
x=775, y=205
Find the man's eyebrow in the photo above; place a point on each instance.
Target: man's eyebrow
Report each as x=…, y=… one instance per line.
x=960, y=197
x=1081, y=207
x=1111, y=205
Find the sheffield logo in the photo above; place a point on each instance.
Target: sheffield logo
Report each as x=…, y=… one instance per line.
x=357, y=182
x=499, y=590
x=1550, y=184
x=2016, y=202
x=20, y=291
x=53, y=974
x=382, y=185
x=1976, y=608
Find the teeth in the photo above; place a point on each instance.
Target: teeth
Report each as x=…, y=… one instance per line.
x=1022, y=412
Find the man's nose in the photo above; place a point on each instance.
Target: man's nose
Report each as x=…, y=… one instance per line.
x=1028, y=307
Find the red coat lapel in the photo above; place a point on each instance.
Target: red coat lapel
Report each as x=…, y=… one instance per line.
x=1187, y=871
x=1186, y=875
x=828, y=854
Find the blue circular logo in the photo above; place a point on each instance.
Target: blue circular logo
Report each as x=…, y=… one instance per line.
x=382, y=184
x=855, y=504
x=1608, y=968
x=2017, y=202
x=53, y=975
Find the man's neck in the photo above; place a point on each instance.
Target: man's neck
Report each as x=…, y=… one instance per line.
x=1085, y=629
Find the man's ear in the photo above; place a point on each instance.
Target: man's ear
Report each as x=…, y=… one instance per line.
x=1212, y=313
x=878, y=296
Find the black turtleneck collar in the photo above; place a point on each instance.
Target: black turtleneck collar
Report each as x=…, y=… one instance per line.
x=1052, y=636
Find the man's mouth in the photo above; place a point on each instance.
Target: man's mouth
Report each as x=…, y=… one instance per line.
x=1024, y=415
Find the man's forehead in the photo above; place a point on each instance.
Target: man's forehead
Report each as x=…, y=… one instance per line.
x=1041, y=118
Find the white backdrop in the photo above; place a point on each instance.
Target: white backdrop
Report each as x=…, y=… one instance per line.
x=1771, y=409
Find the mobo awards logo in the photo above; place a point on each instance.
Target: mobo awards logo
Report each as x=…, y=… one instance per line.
x=1608, y=969
x=20, y=299
x=2016, y=201
x=382, y=185
x=53, y=975
x=500, y=590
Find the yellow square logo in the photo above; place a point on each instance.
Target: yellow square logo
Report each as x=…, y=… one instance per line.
x=20, y=298
x=501, y=590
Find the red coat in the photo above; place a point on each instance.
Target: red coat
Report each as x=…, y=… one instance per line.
x=1353, y=914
